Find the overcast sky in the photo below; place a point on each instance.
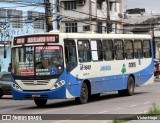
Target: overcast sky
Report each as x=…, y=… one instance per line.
x=149, y=5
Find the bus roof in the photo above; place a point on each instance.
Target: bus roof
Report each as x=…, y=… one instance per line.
x=94, y=35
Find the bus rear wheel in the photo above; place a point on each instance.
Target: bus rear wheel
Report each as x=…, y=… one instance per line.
x=130, y=88
x=40, y=102
x=1, y=94
x=83, y=96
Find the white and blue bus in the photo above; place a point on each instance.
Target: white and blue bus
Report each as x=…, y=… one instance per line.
x=59, y=65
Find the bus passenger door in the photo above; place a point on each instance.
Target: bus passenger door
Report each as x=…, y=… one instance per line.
x=71, y=64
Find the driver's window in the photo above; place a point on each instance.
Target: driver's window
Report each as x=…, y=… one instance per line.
x=70, y=54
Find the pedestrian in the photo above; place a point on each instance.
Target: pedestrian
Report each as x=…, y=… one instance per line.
x=9, y=67
x=157, y=69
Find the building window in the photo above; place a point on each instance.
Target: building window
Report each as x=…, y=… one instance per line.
x=71, y=27
x=2, y=12
x=115, y=7
x=69, y=5
x=110, y=6
x=38, y=19
x=99, y=4
x=17, y=19
x=99, y=27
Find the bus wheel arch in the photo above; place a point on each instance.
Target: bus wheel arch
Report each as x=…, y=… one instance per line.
x=40, y=102
x=85, y=92
x=130, y=87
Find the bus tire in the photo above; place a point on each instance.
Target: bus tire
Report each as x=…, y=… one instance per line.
x=1, y=93
x=130, y=88
x=40, y=102
x=83, y=96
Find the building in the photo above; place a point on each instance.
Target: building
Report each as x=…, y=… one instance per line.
x=18, y=17
x=90, y=15
x=140, y=22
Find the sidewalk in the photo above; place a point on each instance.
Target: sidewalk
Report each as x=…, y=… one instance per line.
x=157, y=79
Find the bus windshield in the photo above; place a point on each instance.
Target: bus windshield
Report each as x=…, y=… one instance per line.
x=37, y=61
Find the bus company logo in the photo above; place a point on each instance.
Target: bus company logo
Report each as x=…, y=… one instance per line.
x=85, y=67
x=105, y=67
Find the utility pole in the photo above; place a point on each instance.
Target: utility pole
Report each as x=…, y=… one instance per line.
x=108, y=20
x=90, y=14
x=48, y=15
x=154, y=43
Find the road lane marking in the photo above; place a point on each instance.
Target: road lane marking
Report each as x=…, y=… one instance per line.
x=61, y=121
x=142, y=112
x=147, y=103
x=103, y=112
x=85, y=115
x=132, y=106
x=118, y=109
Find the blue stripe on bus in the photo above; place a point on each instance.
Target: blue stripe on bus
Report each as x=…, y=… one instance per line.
x=98, y=84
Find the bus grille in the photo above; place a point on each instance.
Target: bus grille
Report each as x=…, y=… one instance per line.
x=35, y=82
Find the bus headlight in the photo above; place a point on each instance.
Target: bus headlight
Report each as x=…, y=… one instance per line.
x=15, y=86
x=58, y=85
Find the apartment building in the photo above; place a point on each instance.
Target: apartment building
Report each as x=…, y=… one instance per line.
x=18, y=17
x=90, y=15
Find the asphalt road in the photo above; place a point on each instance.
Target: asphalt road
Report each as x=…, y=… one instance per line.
x=108, y=105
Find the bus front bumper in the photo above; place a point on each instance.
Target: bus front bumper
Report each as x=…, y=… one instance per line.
x=59, y=93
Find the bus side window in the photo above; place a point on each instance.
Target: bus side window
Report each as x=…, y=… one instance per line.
x=129, y=49
x=84, y=51
x=138, y=53
x=96, y=50
x=70, y=54
x=147, y=49
x=119, y=49
x=108, y=50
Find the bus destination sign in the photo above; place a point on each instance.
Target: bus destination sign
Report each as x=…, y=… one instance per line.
x=36, y=39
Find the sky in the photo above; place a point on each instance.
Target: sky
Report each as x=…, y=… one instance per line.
x=150, y=5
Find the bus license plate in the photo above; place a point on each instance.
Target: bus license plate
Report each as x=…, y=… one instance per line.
x=36, y=95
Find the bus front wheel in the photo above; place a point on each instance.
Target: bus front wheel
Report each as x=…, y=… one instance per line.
x=1, y=94
x=83, y=96
x=40, y=102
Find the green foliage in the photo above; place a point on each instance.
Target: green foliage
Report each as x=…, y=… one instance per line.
x=154, y=110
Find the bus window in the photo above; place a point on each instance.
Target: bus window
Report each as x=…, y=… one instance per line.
x=146, y=49
x=118, y=47
x=96, y=47
x=108, y=50
x=138, y=49
x=129, y=50
x=70, y=54
x=84, y=51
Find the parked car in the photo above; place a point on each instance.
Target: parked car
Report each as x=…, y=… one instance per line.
x=5, y=83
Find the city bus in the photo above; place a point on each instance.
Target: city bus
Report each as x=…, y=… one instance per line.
x=58, y=65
